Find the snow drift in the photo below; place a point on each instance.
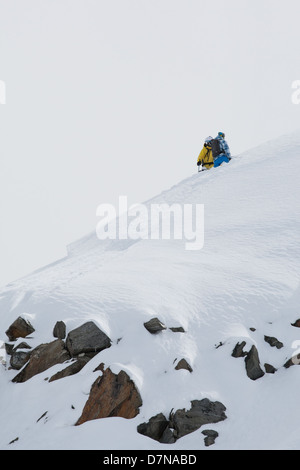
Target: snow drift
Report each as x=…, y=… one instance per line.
x=242, y=286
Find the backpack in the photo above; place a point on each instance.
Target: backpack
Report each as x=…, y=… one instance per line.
x=216, y=148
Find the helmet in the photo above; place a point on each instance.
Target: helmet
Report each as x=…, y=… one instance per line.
x=221, y=134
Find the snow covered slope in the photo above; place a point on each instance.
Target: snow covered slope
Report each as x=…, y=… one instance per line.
x=246, y=276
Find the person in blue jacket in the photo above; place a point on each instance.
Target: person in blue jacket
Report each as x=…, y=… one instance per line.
x=225, y=155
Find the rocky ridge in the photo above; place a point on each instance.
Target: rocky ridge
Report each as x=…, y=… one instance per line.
x=111, y=395
x=116, y=394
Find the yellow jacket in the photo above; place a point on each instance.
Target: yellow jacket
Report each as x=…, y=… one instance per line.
x=206, y=158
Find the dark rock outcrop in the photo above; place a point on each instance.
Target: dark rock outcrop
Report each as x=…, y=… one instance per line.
x=201, y=412
x=272, y=341
x=111, y=395
x=183, y=364
x=22, y=345
x=43, y=357
x=270, y=369
x=211, y=436
x=252, y=364
x=177, y=329
x=183, y=422
x=18, y=359
x=72, y=369
x=20, y=328
x=158, y=429
x=297, y=323
x=87, y=338
x=293, y=361
x=8, y=348
x=238, y=350
x=59, y=330
x=154, y=326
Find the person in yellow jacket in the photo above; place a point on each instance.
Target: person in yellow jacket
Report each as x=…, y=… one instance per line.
x=205, y=157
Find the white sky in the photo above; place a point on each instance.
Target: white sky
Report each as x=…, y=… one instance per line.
x=114, y=97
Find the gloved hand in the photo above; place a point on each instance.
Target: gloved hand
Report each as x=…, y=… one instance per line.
x=199, y=163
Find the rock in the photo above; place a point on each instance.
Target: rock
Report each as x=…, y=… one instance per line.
x=14, y=440
x=156, y=429
x=22, y=345
x=184, y=422
x=297, y=323
x=43, y=357
x=183, y=364
x=252, y=364
x=8, y=348
x=293, y=361
x=211, y=436
x=270, y=369
x=111, y=395
x=202, y=412
x=18, y=359
x=87, y=338
x=20, y=328
x=252, y=329
x=177, y=329
x=167, y=437
x=59, y=330
x=273, y=342
x=72, y=369
x=238, y=350
x=154, y=326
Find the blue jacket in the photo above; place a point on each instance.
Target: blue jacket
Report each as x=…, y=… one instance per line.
x=224, y=146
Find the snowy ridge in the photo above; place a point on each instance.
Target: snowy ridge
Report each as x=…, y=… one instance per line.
x=246, y=276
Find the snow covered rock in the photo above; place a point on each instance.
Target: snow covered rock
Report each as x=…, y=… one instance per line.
x=87, y=338
x=20, y=328
x=72, y=369
x=111, y=395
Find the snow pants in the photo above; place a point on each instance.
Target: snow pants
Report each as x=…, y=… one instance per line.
x=220, y=159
